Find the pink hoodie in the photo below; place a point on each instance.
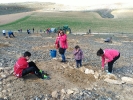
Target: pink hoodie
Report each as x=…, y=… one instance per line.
x=109, y=55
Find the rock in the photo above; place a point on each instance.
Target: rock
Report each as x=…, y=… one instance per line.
x=3, y=76
x=109, y=76
x=96, y=75
x=69, y=91
x=4, y=91
x=112, y=81
x=82, y=69
x=128, y=80
x=89, y=71
x=0, y=83
x=54, y=94
x=63, y=91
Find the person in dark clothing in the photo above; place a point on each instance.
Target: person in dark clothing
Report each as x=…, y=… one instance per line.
x=33, y=30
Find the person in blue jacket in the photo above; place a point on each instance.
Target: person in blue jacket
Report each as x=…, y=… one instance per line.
x=10, y=34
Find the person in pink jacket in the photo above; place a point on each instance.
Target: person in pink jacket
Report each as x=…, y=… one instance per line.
x=108, y=56
x=61, y=43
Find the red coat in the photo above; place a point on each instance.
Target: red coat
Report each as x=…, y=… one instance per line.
x=63, y=41
x=20, y=65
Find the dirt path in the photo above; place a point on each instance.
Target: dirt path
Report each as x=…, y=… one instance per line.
x=4, y=19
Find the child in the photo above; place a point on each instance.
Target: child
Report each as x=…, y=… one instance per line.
x=78, y=55
x=22, y=67
x=108, y=56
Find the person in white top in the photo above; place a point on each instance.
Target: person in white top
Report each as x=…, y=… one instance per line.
x=4, y=32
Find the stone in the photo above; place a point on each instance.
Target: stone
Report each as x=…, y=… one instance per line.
x=89, y=71
x=3, y=76
x=54, y=94
x=127, y=80
x=4, y=91
x=82, y=69
x=69, y=91
x=96, y=75
x=111, y=81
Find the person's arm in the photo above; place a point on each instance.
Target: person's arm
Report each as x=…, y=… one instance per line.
x=75, y=52
x=103, y=62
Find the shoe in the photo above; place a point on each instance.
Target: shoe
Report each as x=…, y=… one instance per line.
x=43, y=73
x=109, y=73
x=63, y=61
x=46, y=77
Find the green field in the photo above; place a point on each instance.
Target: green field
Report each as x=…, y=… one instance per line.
x=77, y=21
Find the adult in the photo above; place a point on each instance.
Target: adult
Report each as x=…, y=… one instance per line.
x=33, y=29
x=10, y=34
x=61, y=43
x=4, y=32
x=108, y=56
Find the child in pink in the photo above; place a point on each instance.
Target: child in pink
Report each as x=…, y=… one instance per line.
x=108, y=56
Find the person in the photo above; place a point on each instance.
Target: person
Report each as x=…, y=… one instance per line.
x=28, y=31
x=61, y=41
x=33, y=29
x=22, y=67
x=10, y=34
x=109, y=40
x=108, y=56
x=4, y=32
x=78, y=55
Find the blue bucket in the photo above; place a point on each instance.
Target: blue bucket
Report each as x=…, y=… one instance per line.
x=53, y=53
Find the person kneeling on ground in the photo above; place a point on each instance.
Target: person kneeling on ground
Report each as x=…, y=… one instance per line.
x=108, y=56
x=109, y=40
x=22, y=67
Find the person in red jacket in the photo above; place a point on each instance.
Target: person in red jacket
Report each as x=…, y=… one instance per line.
x=61, y=43
x=22, y=67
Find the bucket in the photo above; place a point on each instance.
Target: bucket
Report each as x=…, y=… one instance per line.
x=53, y=53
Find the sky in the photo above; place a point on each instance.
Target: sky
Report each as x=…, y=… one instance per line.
x=72, y=2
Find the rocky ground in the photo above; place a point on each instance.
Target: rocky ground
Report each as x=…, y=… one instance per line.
x=67, y=82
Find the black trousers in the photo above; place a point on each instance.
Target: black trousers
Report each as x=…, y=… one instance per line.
x=78, y=62
x=110, y=64
x=32, y=69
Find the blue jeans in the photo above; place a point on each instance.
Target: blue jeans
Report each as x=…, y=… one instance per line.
x=63, y=56
x=78, y=62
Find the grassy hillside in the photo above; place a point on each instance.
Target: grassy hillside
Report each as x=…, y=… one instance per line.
x=12, y=8
x=77, y=21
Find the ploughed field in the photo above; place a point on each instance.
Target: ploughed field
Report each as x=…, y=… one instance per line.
x=67, y=82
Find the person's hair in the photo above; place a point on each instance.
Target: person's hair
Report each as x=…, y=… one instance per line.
x=27, y=54
x=76, y=47
x=100, y=52
x=61, y=30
